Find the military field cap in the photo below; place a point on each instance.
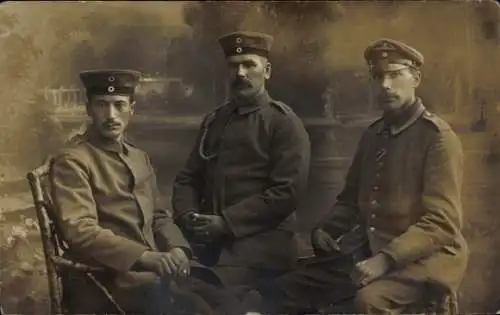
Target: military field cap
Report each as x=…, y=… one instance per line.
x=110, y=81
x=238, y=43
x=389, y=51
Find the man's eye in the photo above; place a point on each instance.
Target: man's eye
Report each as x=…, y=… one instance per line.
x=121, y=106
x=394, y=74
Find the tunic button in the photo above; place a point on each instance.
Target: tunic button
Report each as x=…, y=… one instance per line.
x=376, y=188
x=372, y=229
x=374, y=203
x=373, y=215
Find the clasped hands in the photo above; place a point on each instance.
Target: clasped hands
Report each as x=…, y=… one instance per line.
x=174, y=262
x=364, y=271
x=205, y=228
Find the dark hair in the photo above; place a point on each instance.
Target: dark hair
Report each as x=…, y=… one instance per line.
x=90, y=95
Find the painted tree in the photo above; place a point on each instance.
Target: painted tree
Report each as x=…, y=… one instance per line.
x=18, y=63
x=80, y=36
x=198, y=58
x=298, y=76
x=20, y=265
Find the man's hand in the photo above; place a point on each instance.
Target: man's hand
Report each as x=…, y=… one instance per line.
x=174, y=262
x=187, y=220
x=322, y=240
x=178, y=256
x=210, y=227
x=157, y=262
x=370, y=269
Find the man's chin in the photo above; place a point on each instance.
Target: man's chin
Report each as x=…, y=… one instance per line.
x=389, y=105
x=111, y=134
x=243, y=92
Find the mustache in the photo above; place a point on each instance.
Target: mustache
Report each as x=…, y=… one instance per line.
x=241, y=83
x=385, y=96
x=111, y=123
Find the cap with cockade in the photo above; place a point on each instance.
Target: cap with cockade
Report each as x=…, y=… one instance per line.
x=238, y=43
x=389, y=51
x=110, y=81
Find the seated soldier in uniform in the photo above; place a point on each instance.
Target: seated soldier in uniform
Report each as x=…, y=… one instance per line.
x=402, y=192
x=106, y=199
x=235, y=199
x=404, y=185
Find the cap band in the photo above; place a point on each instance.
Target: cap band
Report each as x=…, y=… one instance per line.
x=234, y=51
x=111, y=90
x=385, y=62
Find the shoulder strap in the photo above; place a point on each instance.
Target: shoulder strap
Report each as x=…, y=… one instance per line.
x=282, y=107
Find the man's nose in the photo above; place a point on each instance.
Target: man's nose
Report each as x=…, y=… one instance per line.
x=241, y=71
x=111, y=111
x=386, y=83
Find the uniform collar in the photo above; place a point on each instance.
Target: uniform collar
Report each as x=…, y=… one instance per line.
x=404, y=119
x=108, y=145
x=259, y=101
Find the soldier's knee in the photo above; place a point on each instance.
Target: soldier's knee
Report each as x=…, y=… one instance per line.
x=369, y=299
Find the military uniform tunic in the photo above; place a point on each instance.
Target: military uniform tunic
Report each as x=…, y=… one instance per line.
x=106, y=200
x=251, y=167
x=404, y=187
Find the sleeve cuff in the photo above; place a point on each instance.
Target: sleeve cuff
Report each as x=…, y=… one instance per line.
x=180, y=214
x=390, y=259
x=402, y=253
x=188, y=252
x=126, y=262
x=230, y=228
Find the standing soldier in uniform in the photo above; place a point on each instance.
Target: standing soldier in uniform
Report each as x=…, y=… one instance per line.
x=403, y=188
x=237, y=194
x=106, y=200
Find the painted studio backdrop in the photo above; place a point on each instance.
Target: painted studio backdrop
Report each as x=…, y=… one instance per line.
x=318, y=69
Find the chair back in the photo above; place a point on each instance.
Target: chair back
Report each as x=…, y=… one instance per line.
x=51, y=242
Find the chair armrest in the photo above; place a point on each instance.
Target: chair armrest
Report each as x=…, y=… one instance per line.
x=69, y=264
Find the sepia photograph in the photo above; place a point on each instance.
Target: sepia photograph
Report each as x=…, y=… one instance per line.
x=250, y=157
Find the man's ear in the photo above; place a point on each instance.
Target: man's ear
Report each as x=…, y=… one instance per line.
x=87, y=107
x=267, y=70
x=132, y=107
x=417, y=77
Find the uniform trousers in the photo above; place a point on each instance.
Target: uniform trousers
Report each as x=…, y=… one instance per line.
x=186, y=295
x=313, y=285
x=322, y=283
